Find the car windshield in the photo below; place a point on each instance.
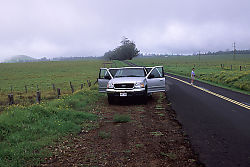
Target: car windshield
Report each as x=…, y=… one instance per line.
x=130, y=72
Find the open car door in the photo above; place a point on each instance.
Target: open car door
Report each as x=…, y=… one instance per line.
x=113, y=71
x=104, y=77
x=156, y=80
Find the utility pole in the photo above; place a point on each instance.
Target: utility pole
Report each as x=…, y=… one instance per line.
x=234, y=50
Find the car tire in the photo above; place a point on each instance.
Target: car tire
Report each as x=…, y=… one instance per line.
x=110, y=99
x=145, y=97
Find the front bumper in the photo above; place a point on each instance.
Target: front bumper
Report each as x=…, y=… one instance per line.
x=130, y=92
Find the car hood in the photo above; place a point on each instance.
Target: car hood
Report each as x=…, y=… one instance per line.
x=127, y=80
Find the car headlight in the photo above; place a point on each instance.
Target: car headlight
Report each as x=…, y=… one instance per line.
x=139, y=85
x=110, y=85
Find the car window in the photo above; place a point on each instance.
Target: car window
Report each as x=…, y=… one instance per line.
x=103, y=74
x=155, y=73
x=160, y=69
x=130, y=72
x=148, y=69
x=113, y=71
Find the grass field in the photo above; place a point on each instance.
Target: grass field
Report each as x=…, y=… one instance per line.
x=208, y=68
x=26, y=128
x=43, y=75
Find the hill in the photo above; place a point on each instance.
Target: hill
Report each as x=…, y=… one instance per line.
x=20, y=59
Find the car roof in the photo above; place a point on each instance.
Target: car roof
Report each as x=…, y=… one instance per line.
x=130, y=67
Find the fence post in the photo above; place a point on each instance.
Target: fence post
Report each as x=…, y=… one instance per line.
x=81, y=86
x=71, y=86
x=240, y=68
x=26, y=90
x=53, y=86
x=231, y=67
x=89, y=83
x=38, y=97
x=58, y=93
x=11, y=99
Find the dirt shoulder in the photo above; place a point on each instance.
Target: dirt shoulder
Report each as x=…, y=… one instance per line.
x=151, y=138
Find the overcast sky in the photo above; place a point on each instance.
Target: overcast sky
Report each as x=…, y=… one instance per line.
x=53, y=28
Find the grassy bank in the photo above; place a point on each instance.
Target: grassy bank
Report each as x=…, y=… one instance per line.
x=25, y=132
x=208, y=68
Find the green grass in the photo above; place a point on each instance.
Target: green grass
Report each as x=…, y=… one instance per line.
x=44, y=74
x=139, y=145
x=26, y=131
x=119, y=63
x=171, y=156
x=121, y=118
x=158, y=133
x=208, y=69
x=104, y=135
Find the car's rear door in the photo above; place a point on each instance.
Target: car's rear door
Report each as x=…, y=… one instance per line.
x=104, y=77
x=156, y=80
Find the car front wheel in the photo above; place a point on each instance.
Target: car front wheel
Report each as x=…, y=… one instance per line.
x=110, y=99
x=145, y=97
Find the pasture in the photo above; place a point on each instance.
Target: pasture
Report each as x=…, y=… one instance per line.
x=14, y=77
x=220, y=70
x=27, y=130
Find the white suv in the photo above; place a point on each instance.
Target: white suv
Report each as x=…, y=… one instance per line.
x=131, y=81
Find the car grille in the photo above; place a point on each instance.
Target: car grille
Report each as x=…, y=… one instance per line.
x=124, y=86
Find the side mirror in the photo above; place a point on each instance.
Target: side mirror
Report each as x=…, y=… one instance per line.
x=107, y=77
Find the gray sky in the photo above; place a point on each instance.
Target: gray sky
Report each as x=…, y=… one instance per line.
x=53, y=28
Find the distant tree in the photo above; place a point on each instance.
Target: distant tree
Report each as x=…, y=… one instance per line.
x=126, y=51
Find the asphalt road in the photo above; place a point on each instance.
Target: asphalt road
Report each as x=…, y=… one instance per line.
x=218, y=129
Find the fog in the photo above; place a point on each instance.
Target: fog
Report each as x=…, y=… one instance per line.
x=54, y=28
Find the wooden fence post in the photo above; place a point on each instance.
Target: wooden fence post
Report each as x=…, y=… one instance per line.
x=26, y=90
x=58, y=93
x=81, y=86
x=71, y=86
x=11, y=99
x=38, y=97
x=231, y=67
x=240, y=68
x=53, y=86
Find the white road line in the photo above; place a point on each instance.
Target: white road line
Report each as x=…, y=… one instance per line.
x=212, y=93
